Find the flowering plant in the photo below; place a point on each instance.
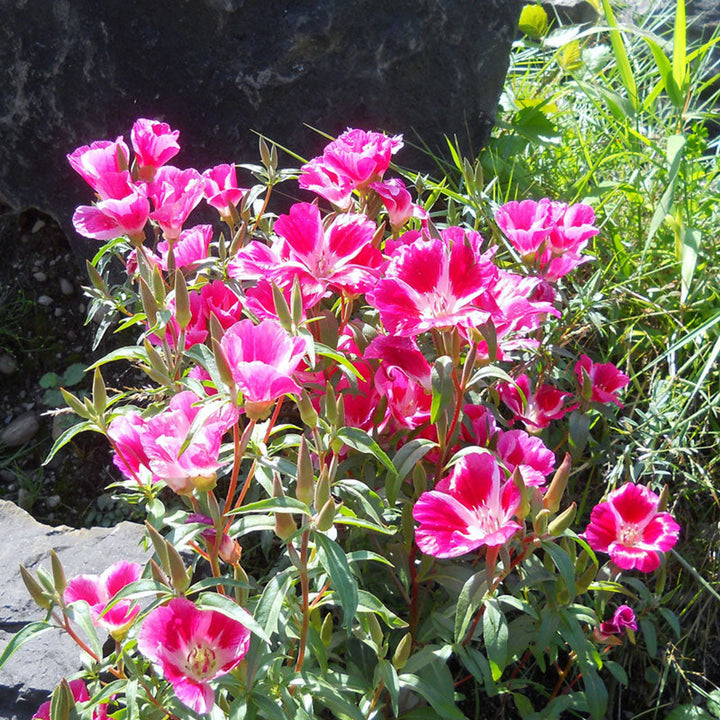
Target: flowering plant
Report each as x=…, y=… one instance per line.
x=343, y=451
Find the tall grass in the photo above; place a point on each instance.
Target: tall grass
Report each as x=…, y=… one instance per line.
x=619, y=116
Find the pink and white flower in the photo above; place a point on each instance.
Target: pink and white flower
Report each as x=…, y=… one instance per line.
x=262, y=359
x=469, y=508
x=605, y=380
x=353, y=161
x=538, y=408
x=98, y=590
x=434, y=283
x=630, y=529
x=191, y=647
x=398, y=202
x=526, y=225
x=339, y=258
x=221, y=189
x=154, y=144
x=174, y=193
x=622, y=619
x=112, y=218
x=526, y=453
x=94, y=162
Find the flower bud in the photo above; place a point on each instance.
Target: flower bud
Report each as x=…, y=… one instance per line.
x=182, y=301
x=40, y=597
x=179, y=577
x=62, y=701
x=59, y=579
x=285, y=526
x=540, y=523
x=326, y=630
x=563, y=521
x=324, y=519
x=402, y=652
x=376, y=632
x=305, y=488
x=553, y=495
x=322, y=489
x=99, y=393
x=308, y=414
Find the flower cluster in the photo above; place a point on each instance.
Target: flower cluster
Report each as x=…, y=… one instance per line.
x=370, y=385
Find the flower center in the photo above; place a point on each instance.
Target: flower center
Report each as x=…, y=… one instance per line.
x=486, y=521
x=201, y=662
x=630, y=535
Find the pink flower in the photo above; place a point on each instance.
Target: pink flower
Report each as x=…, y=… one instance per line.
x=154, y=144
x=113, y=218
x=353, y=161
x=191, y=647
x=404, y=379
x=80, y=694
x=528, y=454
x=526, y=225
x=125, y=433
x=434, y=283
x=262, y=359
x=572, y=229
x=164, y=435
x=175, y=193
x=469, y=508
x=98, y=590
x=94, y=162
x=191, y=247
x=221, y=189
x=479, y=427
x=398, y=202
x=605, y=380
x=539, y=408
x=630, y=529
x=624, y=618
x=340, y=258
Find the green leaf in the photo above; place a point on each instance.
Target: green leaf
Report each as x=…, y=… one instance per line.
x=621, y=57
x=533, y=21
x=596, y=695
x=650, y=635
x=333, y=560
x=270, y=605
x=80, y=613
x=73, y=374
x=369, y=603
x=49, y=380
x=441, y=698
x=470, y=599
x=563, y=563
x=404, y=461
x=276, y=505
x=443, y=388
x=690, y=239
x=688, y=712
x=679, y=55
x=495, y=634
x=387, y=673
x=30, y=630
x=67, y=436
x=231, y=609
x=359, y=440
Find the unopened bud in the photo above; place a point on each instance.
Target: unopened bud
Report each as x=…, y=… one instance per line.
x=159, y=545
x=583, y=582
x=322, y=489
x=326, y=630
x=62, y=701
x=183, y=315
x=99, y=393
x=324, y=519
x=540, y=522
x=554, y=493
x=308, y=414
x=402, y=652
x=563, y=521
x=241, y=593
x=59, y=578
x=305, y=488
x=75, y=404
x=179, y=578
x=40, y=597
x=223, y=365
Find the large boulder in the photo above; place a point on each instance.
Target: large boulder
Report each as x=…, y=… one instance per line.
x=74, y=71
x=35, y=670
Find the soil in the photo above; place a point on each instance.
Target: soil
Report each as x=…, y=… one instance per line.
x=43, y=331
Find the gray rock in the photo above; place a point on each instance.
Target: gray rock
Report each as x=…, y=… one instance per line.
x=74, y=71
x=21, y=430
x=66, y=287
x=36, y=669
x=8, y=366
x=571, y=11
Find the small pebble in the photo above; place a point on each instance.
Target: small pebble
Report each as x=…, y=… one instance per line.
x=7, y=365
x=21, y=430
x=59, y=312
x=53, y=501
x=81, y=307
x=40, y=276
x=66, y=287
x=44, y=300
x=26, y=499
x=39, y=225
